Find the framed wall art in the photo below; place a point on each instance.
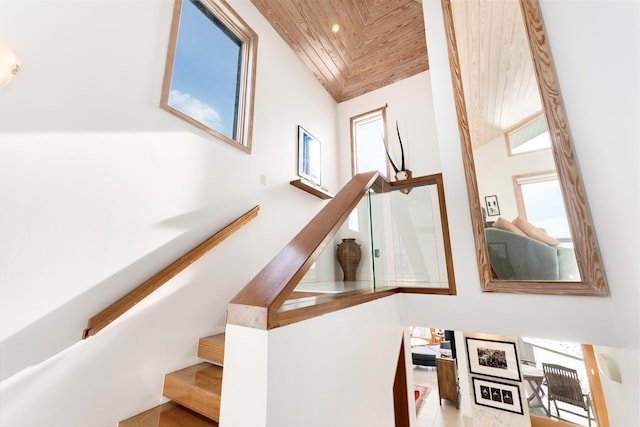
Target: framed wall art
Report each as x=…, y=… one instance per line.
x=497, y=395
x=493, y=358
x=492, y=205
x=309, y=157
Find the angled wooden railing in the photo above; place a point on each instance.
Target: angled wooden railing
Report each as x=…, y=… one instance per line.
x=257, y=305
x=121, y=306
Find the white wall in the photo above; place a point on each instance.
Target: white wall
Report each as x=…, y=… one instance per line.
x=100, y=189
x=602, y=107
x=409, y=102
x=334, y=370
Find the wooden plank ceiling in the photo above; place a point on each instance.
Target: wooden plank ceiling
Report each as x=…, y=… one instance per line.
x=497, y=72
x=379, y=42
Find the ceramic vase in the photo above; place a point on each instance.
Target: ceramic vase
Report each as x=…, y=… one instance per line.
x=349, y=255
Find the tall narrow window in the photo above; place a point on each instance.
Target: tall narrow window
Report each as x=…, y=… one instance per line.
x=540, y=201
x=368, y=133
x=209, y=77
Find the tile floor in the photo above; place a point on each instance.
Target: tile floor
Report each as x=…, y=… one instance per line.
x=432, y=414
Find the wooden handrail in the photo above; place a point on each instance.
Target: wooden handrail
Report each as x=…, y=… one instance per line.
x=258, y=302
x=257, y=305
x=121, y=306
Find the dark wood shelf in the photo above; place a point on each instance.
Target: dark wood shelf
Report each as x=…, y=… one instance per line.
x=311, y=189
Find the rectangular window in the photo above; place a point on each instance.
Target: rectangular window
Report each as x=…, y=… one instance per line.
x=532, y=136
x=368, y=133
x=540, y=202
x=209, y=78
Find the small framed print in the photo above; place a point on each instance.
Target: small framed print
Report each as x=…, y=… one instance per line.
x=493, y=358
x=493, y=394
x=492, y=205
x=309, y=157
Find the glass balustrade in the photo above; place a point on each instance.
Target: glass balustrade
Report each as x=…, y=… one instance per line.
x=399, y=234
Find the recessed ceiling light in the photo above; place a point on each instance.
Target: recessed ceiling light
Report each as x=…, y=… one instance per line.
x=335, y=28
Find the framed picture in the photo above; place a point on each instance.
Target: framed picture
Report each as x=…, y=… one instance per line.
x=497, y=395
x=493, y=358
x=309, y=156
x=492, y=205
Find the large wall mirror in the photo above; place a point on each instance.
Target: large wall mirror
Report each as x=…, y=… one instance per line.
x=531, y=223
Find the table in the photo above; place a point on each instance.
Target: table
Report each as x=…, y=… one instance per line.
x=534, y=377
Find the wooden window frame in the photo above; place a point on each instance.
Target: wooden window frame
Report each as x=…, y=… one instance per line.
x=548, y=175
x=246, y=78
x=354, y=151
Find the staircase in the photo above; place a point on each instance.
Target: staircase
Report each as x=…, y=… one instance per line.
x=194, y=392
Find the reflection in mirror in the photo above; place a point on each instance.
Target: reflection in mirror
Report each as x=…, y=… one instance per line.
x=531, y=224
x=531, y=136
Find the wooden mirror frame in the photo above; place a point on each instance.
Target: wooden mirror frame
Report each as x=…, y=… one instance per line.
x=592, y=280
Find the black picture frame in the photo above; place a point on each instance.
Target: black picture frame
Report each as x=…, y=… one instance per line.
x=493, y=209
x=497, y=359
x=497, y=395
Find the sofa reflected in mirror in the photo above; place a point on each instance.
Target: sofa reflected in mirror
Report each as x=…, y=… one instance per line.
x=520, y=251
x=516, y=257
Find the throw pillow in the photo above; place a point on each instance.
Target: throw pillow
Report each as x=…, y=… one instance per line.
x=534, y=232
x=507, y=225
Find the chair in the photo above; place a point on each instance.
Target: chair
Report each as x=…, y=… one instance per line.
x=563, y=385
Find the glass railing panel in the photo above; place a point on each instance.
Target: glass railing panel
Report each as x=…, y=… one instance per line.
x=326, y=277
x=409, y=248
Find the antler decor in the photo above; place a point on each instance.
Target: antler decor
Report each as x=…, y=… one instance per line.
x=402, y=173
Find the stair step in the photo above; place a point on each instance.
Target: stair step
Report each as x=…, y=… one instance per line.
x=212, y=348
x=168, y=414
x=197, y=387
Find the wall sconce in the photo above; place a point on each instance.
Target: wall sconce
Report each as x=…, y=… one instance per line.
x=10, y=64
x=609, y=367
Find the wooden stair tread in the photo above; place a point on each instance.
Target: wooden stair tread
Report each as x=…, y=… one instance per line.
x=168, y=414
x=197, y=387
x=212, y=348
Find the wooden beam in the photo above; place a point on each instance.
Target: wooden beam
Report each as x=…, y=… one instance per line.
x=595, y=386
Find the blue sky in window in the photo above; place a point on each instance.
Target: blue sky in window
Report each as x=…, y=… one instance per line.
x=545, y=208
x=204, y=83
